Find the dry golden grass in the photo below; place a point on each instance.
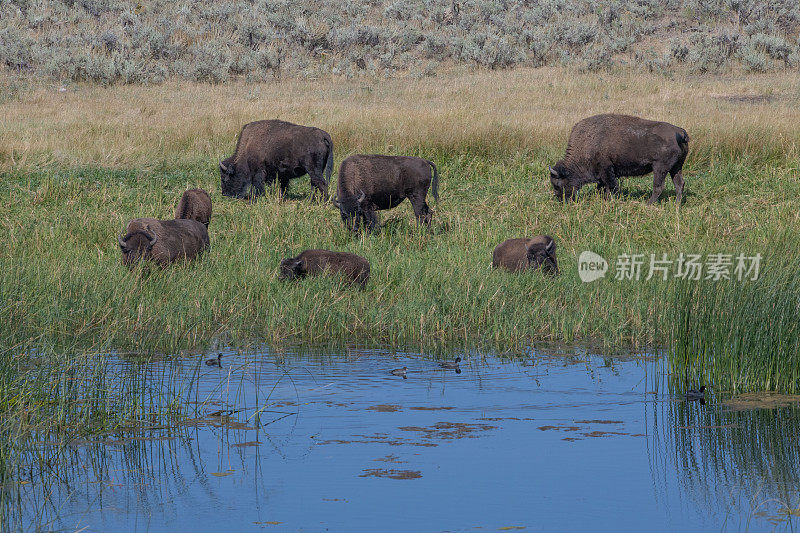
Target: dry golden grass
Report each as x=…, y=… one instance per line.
x=485, y=112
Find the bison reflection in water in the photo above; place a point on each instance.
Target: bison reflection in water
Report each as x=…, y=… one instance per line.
x=314, y=262
x=369, y=183
x=517, y=255
x=162, y=241
x=195, y=204
x=603, y=148
x=274, y=149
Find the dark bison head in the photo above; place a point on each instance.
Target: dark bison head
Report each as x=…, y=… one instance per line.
x=136, y=246
x=291, y=268
x=543, y=255
x=562, y=181
x=351, y=209
x=233, y=180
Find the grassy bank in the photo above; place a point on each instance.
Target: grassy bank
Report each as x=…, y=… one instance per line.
x=77, y=165
x=742, y=336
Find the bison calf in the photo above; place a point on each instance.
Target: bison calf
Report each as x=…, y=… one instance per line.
x=162, y=241
x=369, y=183
x=603, y=148
x=270, y=149
x=313, y=262
x=195, y=204
x=517, y=255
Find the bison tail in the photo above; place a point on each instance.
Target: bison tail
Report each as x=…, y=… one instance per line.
x=434, y=181
x=329, y=161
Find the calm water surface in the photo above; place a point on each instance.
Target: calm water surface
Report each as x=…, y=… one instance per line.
x=312, y=442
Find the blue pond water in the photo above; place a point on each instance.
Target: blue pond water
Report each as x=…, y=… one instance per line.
x=334, y=442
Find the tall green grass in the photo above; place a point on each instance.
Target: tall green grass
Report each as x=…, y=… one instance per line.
x=63, y=289
x=741, y=336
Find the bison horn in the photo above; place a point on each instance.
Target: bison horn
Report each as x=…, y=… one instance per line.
x=551, y=246
x=335, y=201
x=553, y=173
x=147, y=233
x=121, y=241
x=223, y=167
x=362, y=197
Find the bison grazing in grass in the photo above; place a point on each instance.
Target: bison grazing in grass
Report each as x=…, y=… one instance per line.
x=162, y=241
x=270, y=149
x=604, y=148
x=314, y=262
x=517, y=255
x=195, y=204
x=368, y=183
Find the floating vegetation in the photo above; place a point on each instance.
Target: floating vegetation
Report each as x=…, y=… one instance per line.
x=761, y=400
x=392, y=474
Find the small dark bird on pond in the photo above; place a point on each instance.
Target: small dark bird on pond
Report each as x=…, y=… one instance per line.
x=215, y=361
x=693, y=395
x=451, y=364
x=399, y=371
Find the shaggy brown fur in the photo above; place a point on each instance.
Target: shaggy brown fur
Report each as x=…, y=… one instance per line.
x=368, y=183
x=162, y=241
x=314, y=262
x=517, y=255
x=273, y=149
x=604, y=148
x=195, y=204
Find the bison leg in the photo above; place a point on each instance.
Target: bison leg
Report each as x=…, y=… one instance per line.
x=318, y=182
x=283, y=180
x=259, y=178
x=613, y=185
x=603, y=190
x=659, y=175
x=421, y=209
x=677, y=179
x=608, y=183
x=370, y=219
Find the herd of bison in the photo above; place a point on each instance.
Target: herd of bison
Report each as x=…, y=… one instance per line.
x=601, y=149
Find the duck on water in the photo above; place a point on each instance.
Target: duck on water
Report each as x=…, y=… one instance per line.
x=699, y=395
x=400, y=372
x=215, y=361
x=451, y=364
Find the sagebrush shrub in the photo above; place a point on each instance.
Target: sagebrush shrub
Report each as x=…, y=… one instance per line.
x=776, y=47
x=118, y=41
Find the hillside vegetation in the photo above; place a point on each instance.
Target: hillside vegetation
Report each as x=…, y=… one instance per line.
x=119, y=41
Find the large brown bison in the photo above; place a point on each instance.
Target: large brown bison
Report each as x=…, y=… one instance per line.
x=314, y=262
x=604, y=148
x=270, y=149
x=517, y=255
x=195, y=204
x=368, y=183
x=162, y=241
